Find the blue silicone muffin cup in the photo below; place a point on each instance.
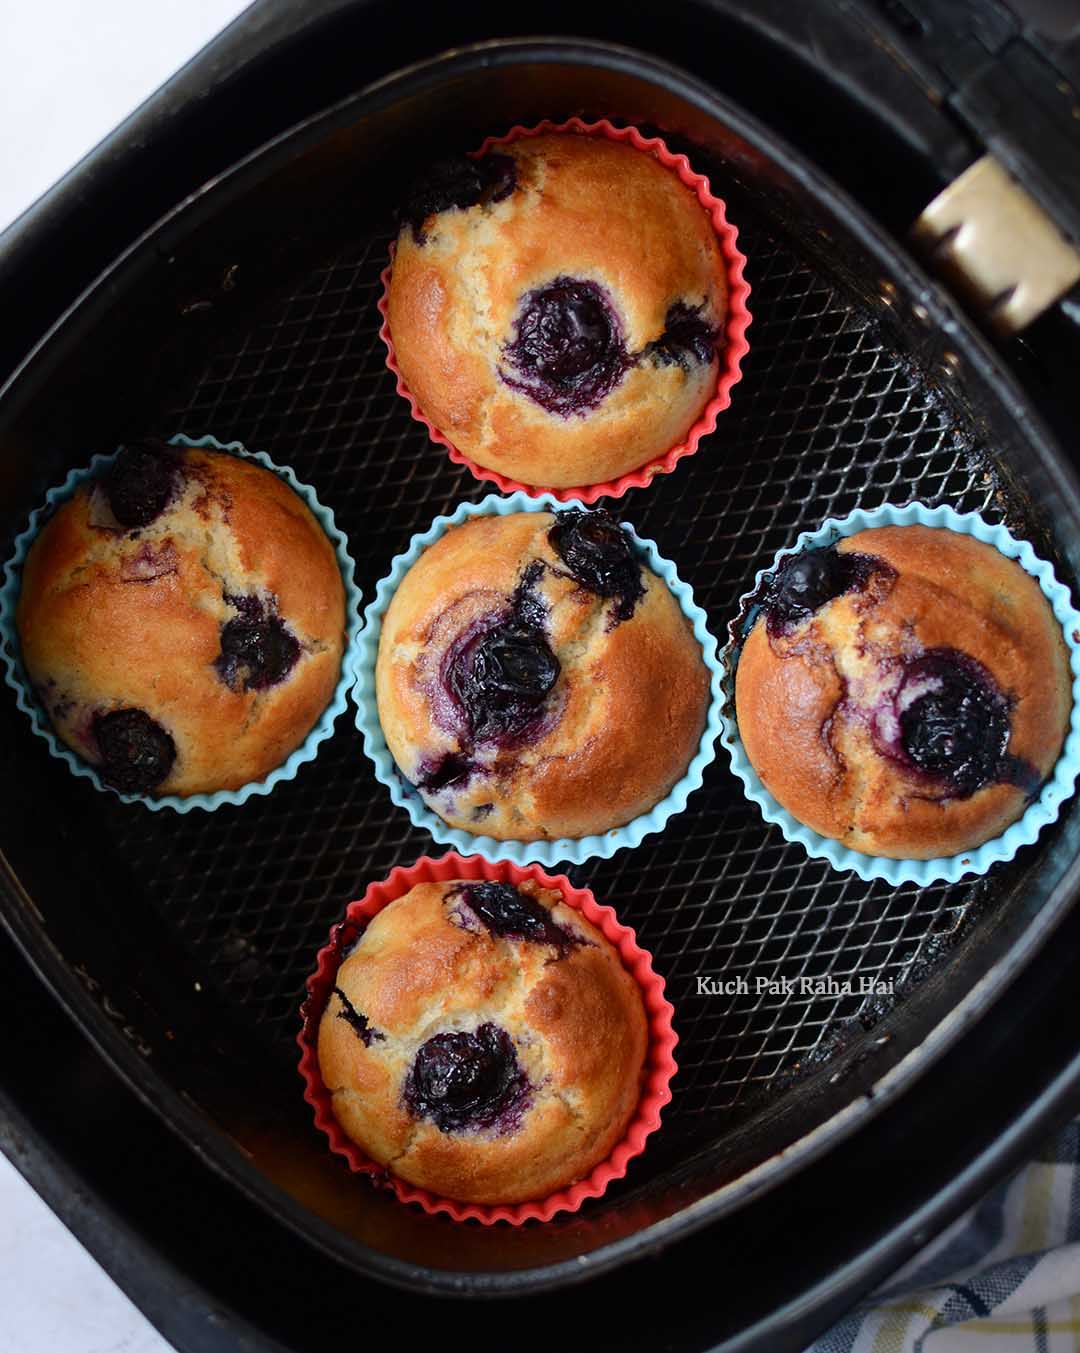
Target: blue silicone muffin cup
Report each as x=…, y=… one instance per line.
x=19, y=681
x=1059, y=785
x=405, y=795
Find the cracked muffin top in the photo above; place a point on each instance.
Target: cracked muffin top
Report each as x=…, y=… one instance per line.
x=535, y=680
x=556, y=307
x=906, y=691
x=182, y=620
x=484, y=1041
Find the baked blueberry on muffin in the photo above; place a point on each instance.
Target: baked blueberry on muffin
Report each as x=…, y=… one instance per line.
x=906, y=691
x=556, y=306
x=535, y=680
x=484, y=1041
x=182, y=620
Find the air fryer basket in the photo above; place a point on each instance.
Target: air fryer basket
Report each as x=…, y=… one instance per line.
x=183, y=943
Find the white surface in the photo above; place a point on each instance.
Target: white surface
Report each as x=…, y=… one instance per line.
x=70, y=70
x=53, y=1296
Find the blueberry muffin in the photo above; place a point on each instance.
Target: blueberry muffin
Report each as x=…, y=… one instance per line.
x=484, y=1041
x=556, y=307
x=182, y=620
x=905, y=692
x=534, y=680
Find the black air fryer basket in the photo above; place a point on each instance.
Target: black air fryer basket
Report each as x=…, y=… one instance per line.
x=214, y=268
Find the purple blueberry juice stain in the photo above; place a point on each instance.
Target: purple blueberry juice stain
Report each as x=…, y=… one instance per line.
x=141, y=482
x=492, y=688
x=347, y=936
x=468, y=1082
x=567, y=353
x=806, y=582
x=457, y=182
x=58, y=703
x=251, y=609
x=438, y=773
x=525, y=603
x=356, y=1021
x=150, y=562
x=257, y=649
x=136, y=753
x=461, y=915
x=600, y=557
x=1021, y=774
x=509, y=914
x=688, y=338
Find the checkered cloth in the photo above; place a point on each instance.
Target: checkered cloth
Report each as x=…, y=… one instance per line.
x=1005, y=1277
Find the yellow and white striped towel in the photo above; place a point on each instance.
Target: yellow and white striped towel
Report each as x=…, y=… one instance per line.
x=1004, y=1277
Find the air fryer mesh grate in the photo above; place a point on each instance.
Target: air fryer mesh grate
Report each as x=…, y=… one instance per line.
x=828, y=416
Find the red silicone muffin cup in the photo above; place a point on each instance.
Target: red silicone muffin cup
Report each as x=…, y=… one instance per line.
x=735, y=345
x=659, y=1063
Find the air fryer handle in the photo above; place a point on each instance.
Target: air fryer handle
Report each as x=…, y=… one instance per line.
x=967, y=77
x=988, y=106
x=1013, y=93
x=1006, y=84
x=1006, y=233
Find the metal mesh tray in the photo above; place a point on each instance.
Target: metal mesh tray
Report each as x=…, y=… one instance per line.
x=829, y=416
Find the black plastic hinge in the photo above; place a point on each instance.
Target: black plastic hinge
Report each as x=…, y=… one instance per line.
x=1016, y=90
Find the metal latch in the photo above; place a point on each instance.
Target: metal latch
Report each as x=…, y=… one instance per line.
x=989, y=240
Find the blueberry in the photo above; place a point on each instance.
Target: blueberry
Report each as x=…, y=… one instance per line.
x=567, y=353
x=457, y=182
x=141, y=482
x=356, y=1021
x=451, y=769
x=954, y=721
x=805, y=582
x=599, y=556
x=687, y=338
x=467, y=1081
x=136, y=752
x=250, y=608
x=510, y=914
x=501, y=678
x=515, y=661
x=526, y=603
x=257, y=650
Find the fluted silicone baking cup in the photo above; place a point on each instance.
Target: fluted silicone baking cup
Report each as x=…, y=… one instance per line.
x=18, y=679
x=572, y=850
x=734, y=349
x=1059, y=785
x=659, y=1062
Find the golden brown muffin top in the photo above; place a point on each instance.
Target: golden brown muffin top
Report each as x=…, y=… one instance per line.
x=522, y=701
x=210, y=615
x=905, y=693
x=483, y=1040
x=564, y=332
